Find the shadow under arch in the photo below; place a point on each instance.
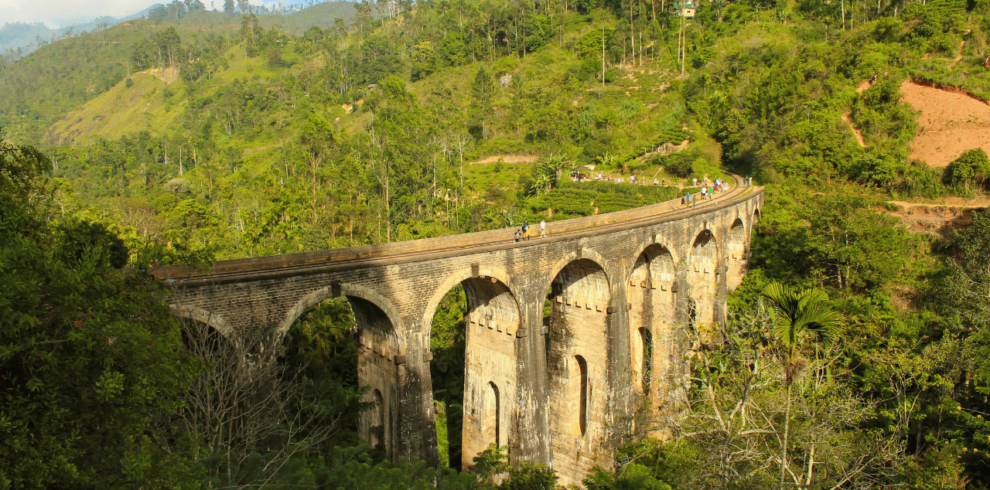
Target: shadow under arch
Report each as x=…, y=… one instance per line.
x=703, y=275
x=577, y=346
x=583, y=254
x=214, y=320
x=652, y=299
x=736, y=254
x=380, y=353
x=491, y=321
x=351, y=292
x=459, y=277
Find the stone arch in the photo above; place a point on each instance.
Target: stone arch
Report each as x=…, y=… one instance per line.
x=653, y=244
x=581, y=254
x=350, y=291
x=704, y=275
x=214, y=320
x=459, y=277
x=381, y=349
x=577, y=362
x=491, y=324
x=736, y=254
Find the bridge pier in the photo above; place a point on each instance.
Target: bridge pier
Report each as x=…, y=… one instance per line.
x=531, y=417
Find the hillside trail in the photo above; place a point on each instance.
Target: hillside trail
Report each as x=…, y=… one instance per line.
x=506, y=158
x=954, y=202
x=958, y=57
x=863, y=86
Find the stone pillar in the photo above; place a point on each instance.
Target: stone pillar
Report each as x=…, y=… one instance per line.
x=619, y=373
x=417, y=429
x=530, y=414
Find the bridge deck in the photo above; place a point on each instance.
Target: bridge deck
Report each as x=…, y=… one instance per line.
x=430, y=248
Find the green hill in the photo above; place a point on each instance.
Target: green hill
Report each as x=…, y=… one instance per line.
x=45, y=85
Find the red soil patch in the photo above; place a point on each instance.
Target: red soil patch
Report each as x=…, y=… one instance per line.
x=951, y=122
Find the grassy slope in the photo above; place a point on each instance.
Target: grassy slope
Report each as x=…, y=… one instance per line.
x=46, y=85
x=144, y=106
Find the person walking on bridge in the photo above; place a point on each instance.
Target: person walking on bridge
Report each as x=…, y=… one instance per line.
x=543, y=228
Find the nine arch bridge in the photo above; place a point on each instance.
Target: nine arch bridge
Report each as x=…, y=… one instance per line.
x=626, y=290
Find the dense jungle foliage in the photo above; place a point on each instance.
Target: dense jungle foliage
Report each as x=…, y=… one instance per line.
x=855, y=355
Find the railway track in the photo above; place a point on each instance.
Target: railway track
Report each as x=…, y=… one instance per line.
x=187, y=276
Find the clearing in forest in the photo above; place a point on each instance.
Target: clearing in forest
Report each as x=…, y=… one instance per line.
x=950, y=123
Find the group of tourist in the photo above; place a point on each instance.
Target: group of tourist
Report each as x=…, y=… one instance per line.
x=601, y=177
x=708, y=190
x=524, y=233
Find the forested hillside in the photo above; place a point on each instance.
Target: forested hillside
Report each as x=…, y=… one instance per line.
x=856, y=350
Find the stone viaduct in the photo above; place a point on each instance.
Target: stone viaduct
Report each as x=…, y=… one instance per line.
x=626, y=290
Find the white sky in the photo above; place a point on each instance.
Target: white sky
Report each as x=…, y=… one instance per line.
x=57, y=13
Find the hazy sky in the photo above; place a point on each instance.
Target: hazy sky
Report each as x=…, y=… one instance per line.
x=57, y=13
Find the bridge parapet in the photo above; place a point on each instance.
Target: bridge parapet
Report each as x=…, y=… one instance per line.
x=450, y=242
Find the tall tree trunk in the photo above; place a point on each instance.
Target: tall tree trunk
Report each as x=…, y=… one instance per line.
x=787, y=426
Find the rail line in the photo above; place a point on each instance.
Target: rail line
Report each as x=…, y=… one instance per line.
x=187, y=276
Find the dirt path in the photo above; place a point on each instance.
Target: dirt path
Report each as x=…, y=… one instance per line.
x=856, y=132
x=951, y=122
x=863, y=86
x=958, y=57
x=954, y=202
x=938, y=218
x=507, y=159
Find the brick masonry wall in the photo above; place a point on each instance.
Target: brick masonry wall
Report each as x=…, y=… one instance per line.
x=690, y=257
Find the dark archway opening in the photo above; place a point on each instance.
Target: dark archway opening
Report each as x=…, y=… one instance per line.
x=341, y=352
x=646, y=366
x=582, y=374
x=472, y=338
x=447, y=343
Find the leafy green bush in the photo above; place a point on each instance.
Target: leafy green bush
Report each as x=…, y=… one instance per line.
x=970, y=168
x=679, y=164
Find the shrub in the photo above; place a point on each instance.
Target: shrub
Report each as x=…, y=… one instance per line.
x=679, y=165
x=970, y=168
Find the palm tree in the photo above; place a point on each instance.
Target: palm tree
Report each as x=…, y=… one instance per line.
x=557, y=163
x=719, y=6
x=797, y=312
